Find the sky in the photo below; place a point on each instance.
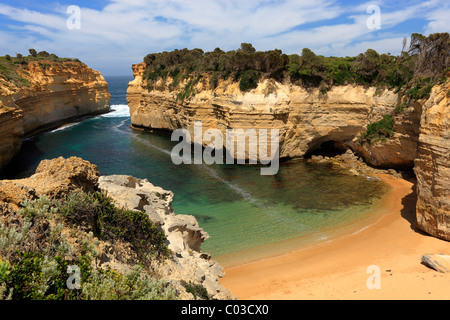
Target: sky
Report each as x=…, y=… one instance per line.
x=111, y=35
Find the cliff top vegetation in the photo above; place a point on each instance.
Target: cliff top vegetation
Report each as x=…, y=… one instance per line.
x=416, y=69
x=15, y=70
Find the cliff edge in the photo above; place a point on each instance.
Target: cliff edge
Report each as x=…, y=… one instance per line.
x=432, y=165
x=120, y=231
x=391, y=111
x=40, y=92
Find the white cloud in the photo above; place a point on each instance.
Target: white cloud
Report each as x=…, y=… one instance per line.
x=124, y=31
x=440, y=21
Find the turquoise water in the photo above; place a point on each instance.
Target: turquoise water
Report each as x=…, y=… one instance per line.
x=240, y=209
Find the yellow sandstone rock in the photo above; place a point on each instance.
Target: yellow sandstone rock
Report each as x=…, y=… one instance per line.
x=57, y=92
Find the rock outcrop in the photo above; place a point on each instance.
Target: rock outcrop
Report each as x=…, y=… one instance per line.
x=306, y=118
x=184, y=236
x=53, y=178
x=398, y=151
x=187, y=264
x=432, y=165
x=50, y=94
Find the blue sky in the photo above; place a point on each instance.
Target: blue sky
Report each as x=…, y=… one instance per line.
x=114, y=34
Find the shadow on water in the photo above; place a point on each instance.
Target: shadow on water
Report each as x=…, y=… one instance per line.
x=28, y=157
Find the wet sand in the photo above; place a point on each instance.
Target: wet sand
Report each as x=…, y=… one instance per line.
x=338, y=269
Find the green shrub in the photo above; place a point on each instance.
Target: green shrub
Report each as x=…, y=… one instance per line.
x=35, y=256
x=134, y=285
x=401, y=107
x=379, y=130
x=197, y=290
x=421, y=90
x=99, y=214
x=189, y=89
x=249, y=80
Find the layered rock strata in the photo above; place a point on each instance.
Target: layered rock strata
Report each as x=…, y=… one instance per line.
x=432, y=165
x=54, y=93
x=306, y=118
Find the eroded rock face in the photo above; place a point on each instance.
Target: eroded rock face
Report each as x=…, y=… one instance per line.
x=182, y=231
x=398, y=151
x=432, y=165
x=54, y=94
x=305, y=118
x=57, y=178
x=184, y=236
x=54, y=178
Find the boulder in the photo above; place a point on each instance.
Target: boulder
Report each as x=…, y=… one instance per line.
x=438, y=262
x=54, y=178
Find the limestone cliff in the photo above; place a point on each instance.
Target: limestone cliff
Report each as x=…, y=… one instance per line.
x=47, y=94
x=432, y=165
x=306, y=118
x=398, y=151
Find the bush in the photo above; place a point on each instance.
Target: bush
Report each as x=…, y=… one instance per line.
x=188, y=89
x=33, y=52
x=97, y=213
x=197, y=290
x=249, y=80
x=43, y=54
x=35, y=256
x=421, y=90
x=379, y=130
x=134, y=285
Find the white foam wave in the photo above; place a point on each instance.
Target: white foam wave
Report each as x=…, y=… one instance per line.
x=65, y=127
x=118, y=111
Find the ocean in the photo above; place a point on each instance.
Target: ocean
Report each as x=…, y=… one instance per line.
x=247, y=215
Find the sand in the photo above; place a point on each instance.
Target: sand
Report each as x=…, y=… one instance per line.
x=338, y=269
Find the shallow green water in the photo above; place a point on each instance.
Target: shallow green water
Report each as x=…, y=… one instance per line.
x=239, y=208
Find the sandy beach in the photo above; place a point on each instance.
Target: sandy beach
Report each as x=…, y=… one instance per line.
x=338, y=269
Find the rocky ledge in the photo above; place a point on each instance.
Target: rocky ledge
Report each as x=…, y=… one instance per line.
x=186, y=264
x=48, y=94
x=184, y=236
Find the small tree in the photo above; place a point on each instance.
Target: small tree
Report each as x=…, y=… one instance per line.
x=247, y=48
x=19, y=57
x=32, y=52
x=8, y=57
x=309, y=60
x=43, y=54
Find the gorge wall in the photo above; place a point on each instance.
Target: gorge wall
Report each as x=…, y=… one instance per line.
x=432, y=165
x=307, y=118
x=47, y=94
